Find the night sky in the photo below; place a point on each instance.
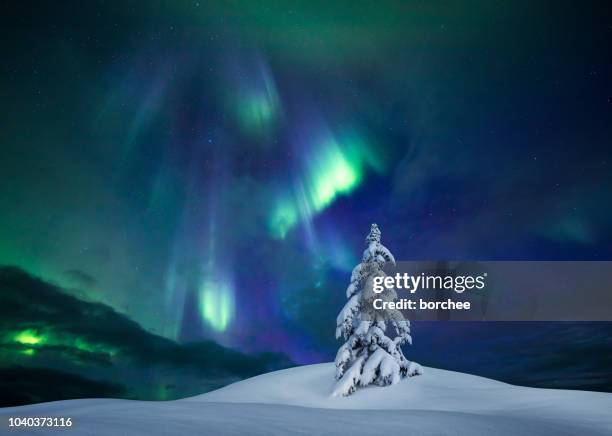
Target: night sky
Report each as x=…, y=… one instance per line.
x=209, y=170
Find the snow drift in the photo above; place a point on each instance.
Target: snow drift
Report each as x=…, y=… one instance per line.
x=299, y=401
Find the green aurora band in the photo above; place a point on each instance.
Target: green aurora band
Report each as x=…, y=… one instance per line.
x=216, y=303
x=31, y=340
x=338, y=167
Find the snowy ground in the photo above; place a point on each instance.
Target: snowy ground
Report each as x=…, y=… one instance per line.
x=297, y=401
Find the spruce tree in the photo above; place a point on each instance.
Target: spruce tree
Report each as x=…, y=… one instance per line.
x=368, y=355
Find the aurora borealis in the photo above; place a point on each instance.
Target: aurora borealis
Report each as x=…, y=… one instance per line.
x=333, y=168
x=209, y=170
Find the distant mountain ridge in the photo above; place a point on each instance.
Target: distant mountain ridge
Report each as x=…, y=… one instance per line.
x=54, y=346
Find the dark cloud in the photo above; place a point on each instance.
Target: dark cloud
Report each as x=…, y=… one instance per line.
x=43, y=328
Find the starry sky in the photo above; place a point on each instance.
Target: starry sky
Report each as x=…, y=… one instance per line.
x=210, y=169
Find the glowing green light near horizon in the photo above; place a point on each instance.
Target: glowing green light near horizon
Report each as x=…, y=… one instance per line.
x=217, y=303
x=29, y=337
x=83, y=345
x=33, y=339
x=216, y=289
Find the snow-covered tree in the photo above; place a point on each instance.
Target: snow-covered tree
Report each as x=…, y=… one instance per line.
x=369, y=356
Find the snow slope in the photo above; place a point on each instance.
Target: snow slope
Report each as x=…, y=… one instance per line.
x=298, y=401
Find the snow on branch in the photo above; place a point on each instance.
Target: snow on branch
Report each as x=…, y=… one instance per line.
x=369, y=356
